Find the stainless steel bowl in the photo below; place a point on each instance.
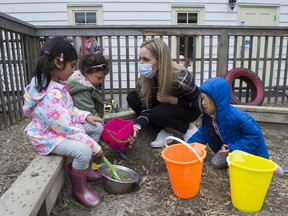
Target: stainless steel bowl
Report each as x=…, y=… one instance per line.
x=128, y=178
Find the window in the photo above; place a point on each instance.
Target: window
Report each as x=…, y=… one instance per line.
x=85, y=18
x=186, y=15
x=87, y=15
x=187, y=18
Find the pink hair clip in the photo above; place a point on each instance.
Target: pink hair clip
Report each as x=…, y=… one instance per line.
x=46, y=53
x=61, y=58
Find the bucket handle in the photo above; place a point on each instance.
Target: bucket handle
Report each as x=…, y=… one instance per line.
x=186, y=144
x=120, y=141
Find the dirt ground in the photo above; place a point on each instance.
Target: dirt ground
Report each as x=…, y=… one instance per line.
x=153, y=196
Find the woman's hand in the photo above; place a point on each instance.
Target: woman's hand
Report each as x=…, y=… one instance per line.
x=92, y=119
x=224, y=150
x=167, y=99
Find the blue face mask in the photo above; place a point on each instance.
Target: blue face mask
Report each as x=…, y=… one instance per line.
x=146, y=70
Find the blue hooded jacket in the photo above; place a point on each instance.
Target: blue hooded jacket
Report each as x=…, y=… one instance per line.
x=237, y=129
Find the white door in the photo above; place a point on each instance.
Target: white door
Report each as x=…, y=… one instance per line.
x=257, y=16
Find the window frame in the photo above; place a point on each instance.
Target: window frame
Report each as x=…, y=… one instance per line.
x=72, y=9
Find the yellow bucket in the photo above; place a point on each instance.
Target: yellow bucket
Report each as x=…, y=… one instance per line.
x=250, y=177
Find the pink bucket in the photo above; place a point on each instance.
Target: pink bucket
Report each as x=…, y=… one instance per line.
x=117, y=133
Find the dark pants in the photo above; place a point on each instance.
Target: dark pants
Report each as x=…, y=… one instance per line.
x=165, y=115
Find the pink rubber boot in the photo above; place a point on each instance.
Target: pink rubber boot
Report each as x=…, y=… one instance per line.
x=80, y=190
x=92, y=175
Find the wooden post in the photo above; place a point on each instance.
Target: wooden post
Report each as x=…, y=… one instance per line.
x=222, y=53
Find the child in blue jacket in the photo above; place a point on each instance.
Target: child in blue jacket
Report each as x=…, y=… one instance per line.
x=226, y=128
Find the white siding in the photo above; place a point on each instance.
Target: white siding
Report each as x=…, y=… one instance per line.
x=284, y=15
x=119, y=12
x=37, y=13
x=137, y=13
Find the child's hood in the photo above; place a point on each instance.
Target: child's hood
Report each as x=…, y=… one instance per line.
x=218, y=90
x=32, y=97
x=78, y=77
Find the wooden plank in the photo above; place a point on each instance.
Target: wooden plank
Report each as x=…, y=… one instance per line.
x=10, y=79
x=260, y=113
x=27, y=194
x=51, y=197
x=55, y=190
x=223, y=53
x=277, y=115
x=276, y=110
x=123, y=115
x=16, y=25
x=3, y=95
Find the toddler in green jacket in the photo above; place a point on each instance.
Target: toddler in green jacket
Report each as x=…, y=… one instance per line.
x=82, y=85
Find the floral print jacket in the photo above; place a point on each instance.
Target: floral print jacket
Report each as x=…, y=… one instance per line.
x=54, y=118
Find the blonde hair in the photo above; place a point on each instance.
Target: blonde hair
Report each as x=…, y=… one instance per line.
x=161, y=52
x=207, y=99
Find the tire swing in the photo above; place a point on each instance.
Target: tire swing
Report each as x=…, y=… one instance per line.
x=254, y=89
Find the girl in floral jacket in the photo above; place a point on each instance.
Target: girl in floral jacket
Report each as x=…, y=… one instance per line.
x=56, y=124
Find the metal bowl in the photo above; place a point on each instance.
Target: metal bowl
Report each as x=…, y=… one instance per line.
x=128, y=178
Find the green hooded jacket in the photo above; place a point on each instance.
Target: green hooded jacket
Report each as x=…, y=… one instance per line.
x=86, y=98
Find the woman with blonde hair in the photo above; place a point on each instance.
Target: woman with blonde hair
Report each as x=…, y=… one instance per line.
x=166, y=95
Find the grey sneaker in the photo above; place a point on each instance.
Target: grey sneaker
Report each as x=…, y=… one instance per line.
x=160, y=139
x=279, y=172
x=219, y=161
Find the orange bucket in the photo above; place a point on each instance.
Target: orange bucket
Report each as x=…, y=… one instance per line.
x=184, y=164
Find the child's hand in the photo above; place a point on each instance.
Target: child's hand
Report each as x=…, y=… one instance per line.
x=133, y=139
x=92, y=119
x=100, y=154
x=136, y=128
x=224, y=150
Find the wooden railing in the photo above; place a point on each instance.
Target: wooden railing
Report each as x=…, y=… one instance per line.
x=216, y=49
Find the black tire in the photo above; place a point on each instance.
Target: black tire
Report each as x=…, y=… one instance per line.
x=253, y=82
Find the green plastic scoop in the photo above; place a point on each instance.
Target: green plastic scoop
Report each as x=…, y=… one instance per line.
x=114, y=172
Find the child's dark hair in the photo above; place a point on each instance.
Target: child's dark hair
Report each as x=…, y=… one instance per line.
x=56, y=47
x=87, y=62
